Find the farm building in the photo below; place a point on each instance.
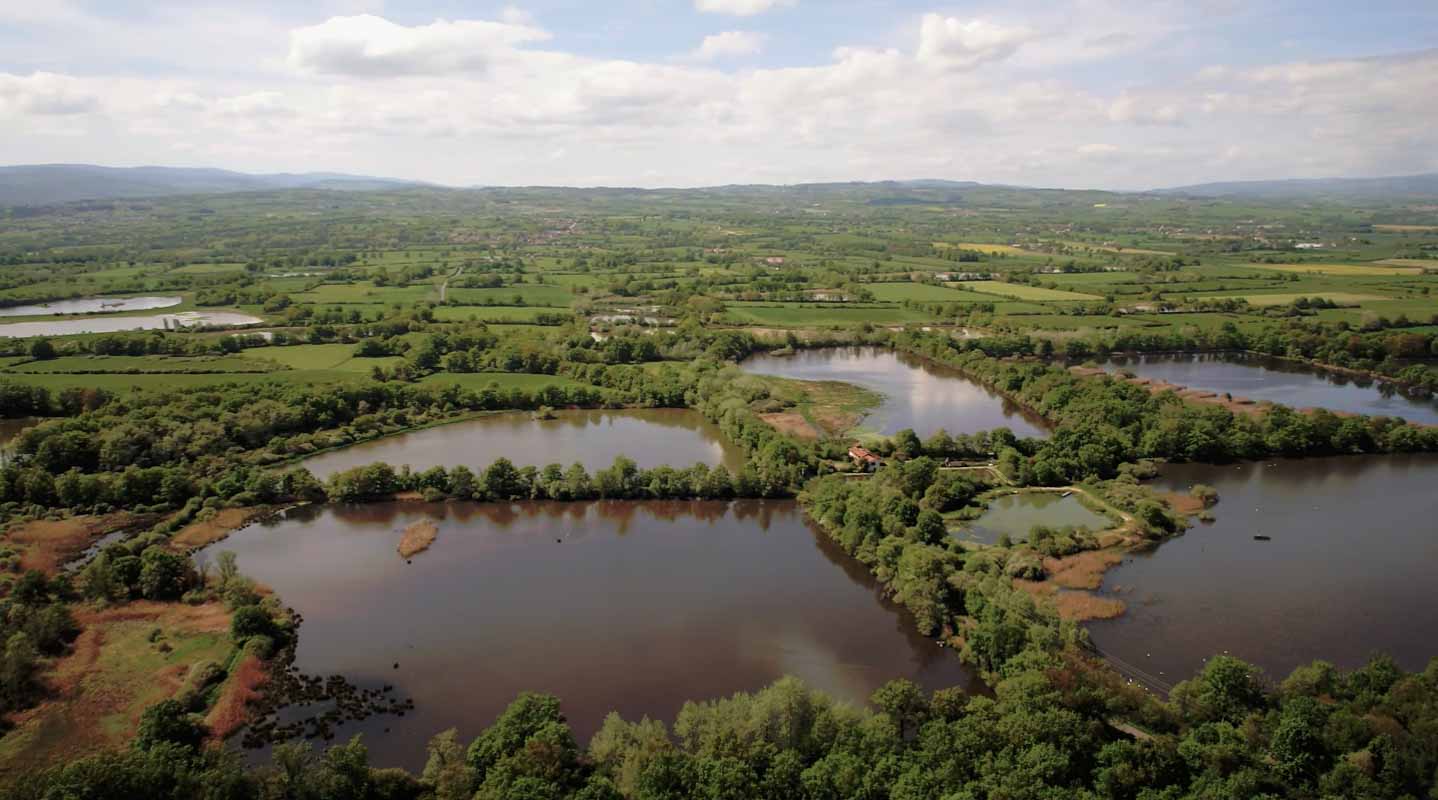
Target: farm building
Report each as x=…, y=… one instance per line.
x=864, y=458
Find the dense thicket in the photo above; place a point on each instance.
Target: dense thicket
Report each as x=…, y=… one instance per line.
x=1045, y=734
x=1103, y=422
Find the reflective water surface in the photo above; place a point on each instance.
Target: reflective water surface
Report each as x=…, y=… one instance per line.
x=624, y=606
x=917, y=394
x=108, y=324
x=1017, y=514
x=651, y=436
x=90, y=305
x=1280, y=381
x=1348, y=570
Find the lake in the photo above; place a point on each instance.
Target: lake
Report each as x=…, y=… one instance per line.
x=627, y=606
x=1017, y=514
x=652, y=437
x=1280, y=381
x=100, y=323
x=91, y=305
x=1349, y=570
x=918, y=394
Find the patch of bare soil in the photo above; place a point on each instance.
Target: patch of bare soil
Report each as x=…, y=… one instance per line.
x=417, y=538
x=791, y=423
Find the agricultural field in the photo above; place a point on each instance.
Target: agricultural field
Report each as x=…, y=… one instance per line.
x=1386, y=267
x=922, y=292
x=1023, y=292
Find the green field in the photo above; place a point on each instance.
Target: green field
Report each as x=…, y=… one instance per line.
x=493, y=314
x=366, y=292
x=1349, y=270
x=530, y=294
x=1023, y=292
x=1283, y=299
x=133, y=364
x=823, y=315
x=922, y=292
x=504, y=380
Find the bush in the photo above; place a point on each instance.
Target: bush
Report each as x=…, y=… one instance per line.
x=251, y=621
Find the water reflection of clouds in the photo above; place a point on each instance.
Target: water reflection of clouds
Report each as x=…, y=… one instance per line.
x=795, y=652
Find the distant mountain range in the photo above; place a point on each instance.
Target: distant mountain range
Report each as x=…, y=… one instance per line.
x=1402, y=186
x=52, y=184
x=48, y=184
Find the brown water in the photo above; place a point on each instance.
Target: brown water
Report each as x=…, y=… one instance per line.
x=1017, y=514
x=652, y=437
x=1277, y=380
x=11, y=428
x=626, y=606
x=918, y=394
x=91, y=305
x=1349, y=570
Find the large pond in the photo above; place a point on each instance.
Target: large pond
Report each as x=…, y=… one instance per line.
x=917, y=394
x=652, y=437
x=1290, y=383
x=626, y=606
x=100, y=323
x=91, y=305
x=1348, y=570
x=1015, y=515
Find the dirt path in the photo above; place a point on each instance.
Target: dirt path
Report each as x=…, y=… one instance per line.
x=444, y=287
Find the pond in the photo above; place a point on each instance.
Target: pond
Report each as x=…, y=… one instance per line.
x=12, y=428
x=1280, y=381
x=91, y=305
x=633, y=607
x=918, y=394
x=1017, y=514
x=1348, y=570
x=110, y=324
x=652, y=437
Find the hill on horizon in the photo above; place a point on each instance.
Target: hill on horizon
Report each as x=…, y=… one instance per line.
x=51, y=184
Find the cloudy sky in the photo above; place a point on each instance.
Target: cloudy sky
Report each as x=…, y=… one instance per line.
x=1126, y=94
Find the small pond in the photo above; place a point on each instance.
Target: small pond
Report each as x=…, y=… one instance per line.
x=1280, y=381
x=1017, y=514
x=918, y=394
x=90, y=305
x=652, y=437
x=10, y=429
x=627, y=606
x=1348, y=569
x=99, y=323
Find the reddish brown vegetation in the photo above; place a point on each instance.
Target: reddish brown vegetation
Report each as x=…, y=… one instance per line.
x=417, y=538
x=232, y=709
x=46, y=544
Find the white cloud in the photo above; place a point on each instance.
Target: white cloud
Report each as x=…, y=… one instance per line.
x=1143, y=110
x=476, y=101
x=370, y=46
x=728, y=45
x=254, y=104
x=46, y=93
x=952, y=43
x=741, y=8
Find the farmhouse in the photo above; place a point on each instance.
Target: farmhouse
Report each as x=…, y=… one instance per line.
x=864, y=458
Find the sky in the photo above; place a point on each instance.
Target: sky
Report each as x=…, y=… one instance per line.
x=1113, y=94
